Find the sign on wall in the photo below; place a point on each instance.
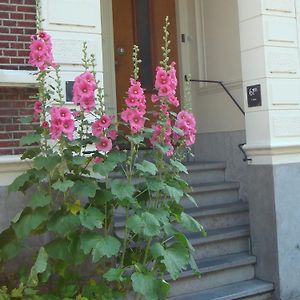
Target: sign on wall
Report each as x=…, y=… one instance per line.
x=254, y=95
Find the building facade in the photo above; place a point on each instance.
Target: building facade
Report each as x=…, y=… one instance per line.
x=252, y=46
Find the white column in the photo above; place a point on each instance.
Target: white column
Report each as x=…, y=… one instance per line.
x=270, y=58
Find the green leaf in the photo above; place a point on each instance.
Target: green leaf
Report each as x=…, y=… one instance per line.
x=147, y=167
x=79, y=160
x=192, y=199
x=174, y=193
x=178, y=131
x=190, y=223
x=157, y=250
x=149, y=286
x=163, y=148
x=58, y=249
x=91, y=218
x=63, y=186
x=155, y=185
x=88, y=241
x=176, y=259
x=85, y=188
x=179, y=166
x=135, y=223
x=26, y=120
x=107, y=246
x=105, y=168
x=114, y=275
x=29, y=221
x=31, y=153
x=117, y=157
x=30, y=139
x=47, y=162
x=151, y=226
x=161, y=214
x=122, y=189
x=39, y=267
x=9, y=245
x=137, y=139
x=63, y=224
x=19, y=182
x=39, y=199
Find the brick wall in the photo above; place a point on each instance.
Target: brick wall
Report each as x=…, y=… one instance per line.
x=17, y=24
x=14, y=103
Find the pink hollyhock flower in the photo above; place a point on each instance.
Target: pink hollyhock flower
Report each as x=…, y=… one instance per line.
x=38, y=46
x=37, y=59
x=38, y=107
x=154, y=98
x=105, y=121
x=135, y=90
x=104, y=144
x=174, y=101
x=45, y=124
x=87, y=103
x=161, y=77
x=113, y=134
x=64, y=113
x=131, y=102
x=44, y=36
x=164, y=91
x=68, y=128
x=85, y=89
x=98, y=160
x=141, y=109
x=55, y=132
x=125, y=114
x=97, y=128
x=90, y=78
x=136, y=121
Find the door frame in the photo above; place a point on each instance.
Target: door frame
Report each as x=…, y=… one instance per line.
x=108, y=50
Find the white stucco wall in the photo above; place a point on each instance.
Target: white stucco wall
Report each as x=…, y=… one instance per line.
x=214, y=54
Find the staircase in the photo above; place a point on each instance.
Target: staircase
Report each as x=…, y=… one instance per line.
x=224, y=255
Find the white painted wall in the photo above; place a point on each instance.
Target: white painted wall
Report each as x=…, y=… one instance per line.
x=212, y=52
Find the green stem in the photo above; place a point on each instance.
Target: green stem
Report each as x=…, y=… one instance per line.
x=125, y=239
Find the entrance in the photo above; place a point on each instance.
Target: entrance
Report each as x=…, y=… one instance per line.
x=140, y=22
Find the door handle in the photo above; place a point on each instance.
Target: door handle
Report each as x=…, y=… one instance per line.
x=120, y=51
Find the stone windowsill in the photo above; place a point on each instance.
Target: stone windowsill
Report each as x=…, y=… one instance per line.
x=17, y=78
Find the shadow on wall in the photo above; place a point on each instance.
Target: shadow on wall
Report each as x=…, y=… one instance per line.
x=223, y=146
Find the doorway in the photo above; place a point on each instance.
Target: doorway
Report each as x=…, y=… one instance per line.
x=140, y=22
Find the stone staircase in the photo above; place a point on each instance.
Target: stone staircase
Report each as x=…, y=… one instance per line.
x=224, y=255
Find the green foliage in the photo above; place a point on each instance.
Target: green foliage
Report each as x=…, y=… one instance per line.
x=73, y=211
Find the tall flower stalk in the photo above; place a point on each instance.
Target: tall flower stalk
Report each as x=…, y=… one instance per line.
x=118, y=212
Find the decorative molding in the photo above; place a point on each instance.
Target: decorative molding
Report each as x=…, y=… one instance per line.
x=17, y=78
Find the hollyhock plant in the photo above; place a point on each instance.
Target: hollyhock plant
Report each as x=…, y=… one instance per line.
x=88, y=175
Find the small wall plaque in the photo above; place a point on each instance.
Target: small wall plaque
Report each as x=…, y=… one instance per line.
x=254, y=95
x=69, y=90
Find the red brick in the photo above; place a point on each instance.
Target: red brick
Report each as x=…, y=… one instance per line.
x=8, y=67
x=4, y=30
x=4, y=104
x=9, y=23
x=7, y=37
x=5, y=120
x=28, y=9
x=26, y=24
x=7, y=7
x=10, y=53
x=30, y=2
x=18, y=135
x=4, y=60
x=24, y=53
x=17, y=60
x=29, y=16
x=8, y=112
x=30, y=31
x=19, y=151
x=6, y=144
x=16, y=46
x=14, y=127
x=15, y=30
x=6, y=151
x=6, y=136
x=4, y=15
x=4, y=44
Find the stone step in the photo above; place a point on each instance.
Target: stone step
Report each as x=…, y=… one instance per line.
x=200, y=172
x=220, y=242
x=215, y=272
x=250, y=290
x=213, y=193
x=221, y=215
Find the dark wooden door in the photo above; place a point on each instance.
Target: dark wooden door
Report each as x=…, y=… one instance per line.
x=141, y=22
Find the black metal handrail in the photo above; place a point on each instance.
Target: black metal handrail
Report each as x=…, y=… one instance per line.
x=222, y=85
x=246, y=158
